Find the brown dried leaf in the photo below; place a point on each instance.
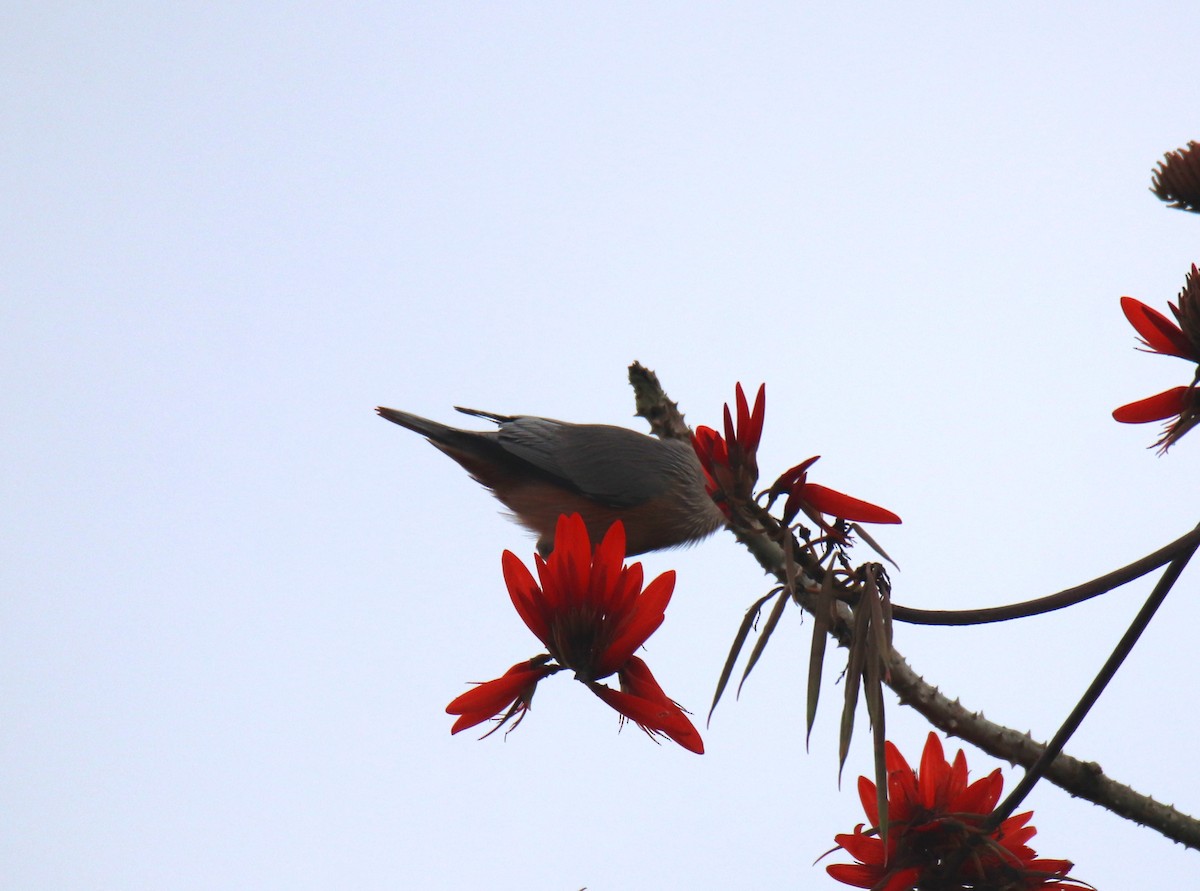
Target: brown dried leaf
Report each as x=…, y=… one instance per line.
x=1176, y=180
x=873, y=691
x=763, y=637
x=874, y=545
x=736, y=649
x=854, y=670
x=875, y=603
x=822, y=608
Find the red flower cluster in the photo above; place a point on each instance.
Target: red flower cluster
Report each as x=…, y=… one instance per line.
x=591, y=613
x=1160, y=335
x=731, y=463
x=935, y=837
x=731, y=471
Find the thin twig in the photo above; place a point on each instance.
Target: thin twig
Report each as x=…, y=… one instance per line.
x=1109, y=670
x=1051, y=602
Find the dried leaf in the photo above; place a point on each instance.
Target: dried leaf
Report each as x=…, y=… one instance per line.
x=854, y=669
x=822, y=608
x=873, y=693
x=878, y=651
x=735, y=650
x=763, y=637
x=881, y=775
x=881, y=624
x=885, y=608
x=874, y=545
x=1176, y=180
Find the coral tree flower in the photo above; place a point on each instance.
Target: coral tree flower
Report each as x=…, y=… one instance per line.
x=512, y=691
x=814, y=500
x=936, y=838
x=1180, y=406
x=591, y=613
x=731, y=462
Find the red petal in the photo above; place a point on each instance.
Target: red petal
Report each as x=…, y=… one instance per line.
x=607, y=564
x=577, y=556
x=1158, y=332
x=709, y=447
x=730, y=430
x=648, y=706
x=549, y=580
x=610, y=552
x=648, y=614
x=490, y=698
x=902, y=789
x=893, y=759
x=872, y=876
x=794, y=475
x=792, y=481
x=903, y=879
x=866, y=794
x=564, y=575
x=904, y=794
x=934, y=773
x=637, y=679
x=494, y=694
x=469, y=720
x=1153, y=408
x=670, y=721
x=862, y=847
x=743, y=413
x=957, y=783
x=1015, y=840
x=621, y=600
x=750, y=423
x=827, y=501
x=753, y=434
x=855, y=874
x=981, y=796
x=1058, y=869
x=526, y=595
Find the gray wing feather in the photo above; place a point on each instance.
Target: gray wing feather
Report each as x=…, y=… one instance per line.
x=612, y=465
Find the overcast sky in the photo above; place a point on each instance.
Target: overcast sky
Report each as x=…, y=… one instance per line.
x=235, y=602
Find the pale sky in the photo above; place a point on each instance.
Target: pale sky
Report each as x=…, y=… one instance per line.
x=235, y=602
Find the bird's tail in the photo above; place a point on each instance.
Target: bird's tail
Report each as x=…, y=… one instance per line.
x=491, y=416
x=432, y=429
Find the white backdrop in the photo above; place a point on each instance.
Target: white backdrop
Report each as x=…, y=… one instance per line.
x=235, y=602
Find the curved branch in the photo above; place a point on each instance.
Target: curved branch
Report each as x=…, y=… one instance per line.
x=1050, y=602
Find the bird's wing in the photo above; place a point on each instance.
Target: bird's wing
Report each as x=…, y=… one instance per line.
x=612, y=465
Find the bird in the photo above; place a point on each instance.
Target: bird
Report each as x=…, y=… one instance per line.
x=540, y=468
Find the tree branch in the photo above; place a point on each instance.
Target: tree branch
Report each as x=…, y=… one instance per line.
x=1051, y=602
x=1081, y=779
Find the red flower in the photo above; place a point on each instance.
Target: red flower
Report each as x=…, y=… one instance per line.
x=936, y=837
x=513, y=691
x=731, y=463
x=816, y=500
x=591, y=613
x=1160, y=335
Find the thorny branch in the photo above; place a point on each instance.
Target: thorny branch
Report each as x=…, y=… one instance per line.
x=1082, y=779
